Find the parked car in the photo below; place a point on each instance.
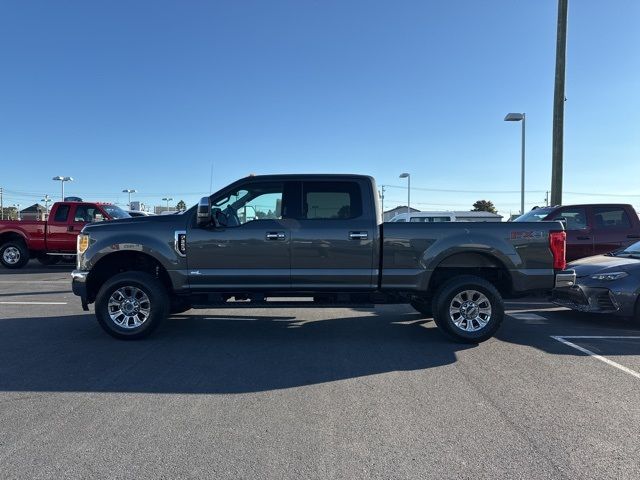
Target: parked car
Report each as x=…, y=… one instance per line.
x=607, y=283
x=422, y=217
x=591, y=229
x=139, y=213
x=319, y=236
x=52, y=240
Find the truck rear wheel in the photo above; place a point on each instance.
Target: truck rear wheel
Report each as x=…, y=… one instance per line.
x=131, y=305
x=469, y=309
x=14, y=254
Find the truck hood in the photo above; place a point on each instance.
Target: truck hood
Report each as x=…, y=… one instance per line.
x=171, y=221
x=602, y=263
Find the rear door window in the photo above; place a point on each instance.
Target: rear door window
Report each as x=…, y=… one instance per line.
x=576, y=217
x=62, y=213
x=331, y=200
x=611, y=218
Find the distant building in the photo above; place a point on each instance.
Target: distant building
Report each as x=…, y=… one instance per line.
x=389, y=214
x=468, y=216
x=34, y=212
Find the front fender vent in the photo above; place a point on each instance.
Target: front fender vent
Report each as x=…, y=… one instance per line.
x=180, y=242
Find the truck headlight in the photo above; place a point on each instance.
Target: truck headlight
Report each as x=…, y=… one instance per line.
x=607, y=277
x=83, y=243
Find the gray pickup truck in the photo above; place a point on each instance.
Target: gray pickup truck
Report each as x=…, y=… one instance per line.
x=317, y=240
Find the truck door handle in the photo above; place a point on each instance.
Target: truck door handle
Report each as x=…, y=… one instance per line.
x=633, y=236
x=583, y=237
x=358, y=235
x=70, y=228
x=275, y=236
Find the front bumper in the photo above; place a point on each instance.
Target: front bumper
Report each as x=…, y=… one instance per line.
x=79, y=286
x=587, y=299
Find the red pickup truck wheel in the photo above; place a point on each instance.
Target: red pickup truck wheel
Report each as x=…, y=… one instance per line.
x=468, y=308
x=14, y=254
x=131, y=305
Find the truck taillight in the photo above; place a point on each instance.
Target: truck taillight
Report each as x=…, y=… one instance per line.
x=558, y=245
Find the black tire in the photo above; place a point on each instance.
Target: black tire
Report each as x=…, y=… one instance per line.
x=457, y=327
x=423, y=305
x=14, y=254
x=158, y=307
x=47, y=260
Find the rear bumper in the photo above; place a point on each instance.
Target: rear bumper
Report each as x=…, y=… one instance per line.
x=79, y=286
x=566, y=278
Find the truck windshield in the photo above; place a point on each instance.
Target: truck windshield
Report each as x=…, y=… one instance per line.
x=536, y=215
x=115, y=212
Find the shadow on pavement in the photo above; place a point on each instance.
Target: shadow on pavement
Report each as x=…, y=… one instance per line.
x=214, y=353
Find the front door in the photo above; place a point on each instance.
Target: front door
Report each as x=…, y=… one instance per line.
x=612, y=229
x=246, y=247
x=334, y=239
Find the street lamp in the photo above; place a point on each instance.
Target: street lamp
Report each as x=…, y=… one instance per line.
x=408, y=177
x=46, y=201
x=167, y=199
x=517, y=117
x=129, y=191
x=62, y=180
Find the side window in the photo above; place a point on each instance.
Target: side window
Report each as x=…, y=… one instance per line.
x=611, y=218
x=576, y=218
x=61, y=213
x=85, y=214
x=419, y=219
x=331, y=200
x=255, y=201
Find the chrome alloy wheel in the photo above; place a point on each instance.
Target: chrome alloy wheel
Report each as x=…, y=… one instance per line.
x=129, y=307
x=470, y=310
x=11, y=255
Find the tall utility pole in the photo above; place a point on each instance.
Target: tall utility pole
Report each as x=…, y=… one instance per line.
x=558, y=105
x=1, y=206
x=382, y=187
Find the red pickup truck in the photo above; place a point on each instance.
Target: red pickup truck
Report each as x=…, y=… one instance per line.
x=591, y=229
x=50, y=240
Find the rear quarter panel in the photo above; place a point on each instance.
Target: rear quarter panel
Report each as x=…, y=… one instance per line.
x=412, y=251
x=33, y=232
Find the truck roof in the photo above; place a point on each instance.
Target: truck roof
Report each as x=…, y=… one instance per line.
x=302, y=176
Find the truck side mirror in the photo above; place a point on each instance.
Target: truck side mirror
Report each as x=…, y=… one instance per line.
x=204, y=212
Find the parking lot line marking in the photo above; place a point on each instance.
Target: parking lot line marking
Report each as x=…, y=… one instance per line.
x=36, y=281
x=33, y=303
x=562, y=339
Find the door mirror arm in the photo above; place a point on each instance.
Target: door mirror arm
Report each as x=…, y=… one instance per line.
x=203, y=216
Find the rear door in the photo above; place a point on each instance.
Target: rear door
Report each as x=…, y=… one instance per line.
x=58, y=235
x=334, y=239
x=612, y=229
x=580, y=239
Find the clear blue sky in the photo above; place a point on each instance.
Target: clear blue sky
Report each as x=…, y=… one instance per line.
x=147, y=94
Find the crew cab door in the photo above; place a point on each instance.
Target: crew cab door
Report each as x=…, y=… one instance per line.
x=247, y=244
x=334, y=239
x=580, y=239
x=612, y=229
x=59, y=238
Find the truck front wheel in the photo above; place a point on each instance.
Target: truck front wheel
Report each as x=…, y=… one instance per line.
x=14, y=254
x=468, y=308
x=131, y=305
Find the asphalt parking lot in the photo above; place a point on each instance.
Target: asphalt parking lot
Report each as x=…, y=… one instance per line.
x=311, y=393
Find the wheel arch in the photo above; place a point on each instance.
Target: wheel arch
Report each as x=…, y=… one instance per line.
x=124, y=261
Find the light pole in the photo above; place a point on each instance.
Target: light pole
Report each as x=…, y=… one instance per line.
x=167, y=199
x=517, y=117
x=62, y=180
x=46, y=201
x=129, y=191
x=408, y=177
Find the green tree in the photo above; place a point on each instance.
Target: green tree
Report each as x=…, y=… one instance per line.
x=484, y=206
x=181, y=205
